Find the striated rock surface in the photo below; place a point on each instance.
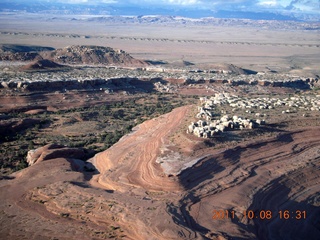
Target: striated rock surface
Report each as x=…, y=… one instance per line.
x=128, y=188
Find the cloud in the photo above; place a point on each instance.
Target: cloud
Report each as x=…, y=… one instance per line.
x=162, y=2
x=86, y=1
x=203, y=4
x=268, y=3
x=302, y=6
x=184, y=2
x=207, y=4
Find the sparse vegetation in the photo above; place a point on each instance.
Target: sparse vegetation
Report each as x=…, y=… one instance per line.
x=97, y=127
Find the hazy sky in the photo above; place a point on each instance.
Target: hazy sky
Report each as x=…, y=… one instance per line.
x=306, y=6
x=299, y=5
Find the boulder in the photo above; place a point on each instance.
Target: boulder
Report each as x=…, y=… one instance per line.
x=52, y=151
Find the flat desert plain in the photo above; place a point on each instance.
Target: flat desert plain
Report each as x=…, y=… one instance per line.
x=248, y=47
x=157, y=181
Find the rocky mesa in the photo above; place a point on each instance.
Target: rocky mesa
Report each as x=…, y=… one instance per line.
x=92, y=55
x=78, y=54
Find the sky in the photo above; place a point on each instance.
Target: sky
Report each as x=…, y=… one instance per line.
x=298, y=5
x=274, y=6
x=307, y=5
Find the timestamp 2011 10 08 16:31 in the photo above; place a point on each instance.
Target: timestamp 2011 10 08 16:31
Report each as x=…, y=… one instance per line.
x=260, y=214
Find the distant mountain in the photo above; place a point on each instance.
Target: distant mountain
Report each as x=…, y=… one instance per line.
x=256, y=10
x=208, y=21
x=254, y=15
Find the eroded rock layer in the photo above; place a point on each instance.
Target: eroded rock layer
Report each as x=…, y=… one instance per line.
x=259, y=189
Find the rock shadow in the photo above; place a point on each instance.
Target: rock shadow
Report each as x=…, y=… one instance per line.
x=289, y=219
x=205, y=168
x=141, y=86
x=87, y=168
x=200, y=172
x=156, y=62
x=182, y=217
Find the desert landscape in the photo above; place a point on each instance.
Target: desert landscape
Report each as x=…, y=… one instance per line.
x=155, y=127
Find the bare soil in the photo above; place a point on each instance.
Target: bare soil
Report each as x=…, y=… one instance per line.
x=253, y=48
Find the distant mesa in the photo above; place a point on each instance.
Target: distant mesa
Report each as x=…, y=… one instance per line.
x=87, y=55
x=182, y=63
x=156, y=62
x=92, y=55
x=14, y=48
x=235, y=70
x=14, y=52
x=43, y=64
x=228, y=68
x=176, y=64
